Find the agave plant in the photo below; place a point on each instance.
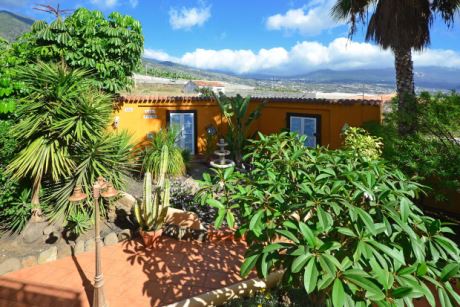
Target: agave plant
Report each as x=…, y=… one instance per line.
x=152, y=154
x=151, y=213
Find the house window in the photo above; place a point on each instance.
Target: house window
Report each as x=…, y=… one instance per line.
x=305, y=124
x=185, y=121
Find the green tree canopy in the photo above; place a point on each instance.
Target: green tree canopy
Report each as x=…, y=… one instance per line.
x=110, y=47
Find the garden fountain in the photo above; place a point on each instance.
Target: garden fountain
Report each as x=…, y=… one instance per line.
x=222, y=161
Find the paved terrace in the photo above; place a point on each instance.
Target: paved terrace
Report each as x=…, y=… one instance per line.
x=134, y=276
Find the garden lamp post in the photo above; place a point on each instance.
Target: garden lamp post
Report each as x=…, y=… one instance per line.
x=105, y=189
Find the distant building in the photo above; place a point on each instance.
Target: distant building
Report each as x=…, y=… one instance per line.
x=193, y=86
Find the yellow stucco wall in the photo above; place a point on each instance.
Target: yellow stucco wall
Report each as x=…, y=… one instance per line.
x=143, y=115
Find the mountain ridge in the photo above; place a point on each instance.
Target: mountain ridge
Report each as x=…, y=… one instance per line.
x=426, y=77
x=12, y=25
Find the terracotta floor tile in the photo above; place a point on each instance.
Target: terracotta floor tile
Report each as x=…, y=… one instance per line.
x=134, y=275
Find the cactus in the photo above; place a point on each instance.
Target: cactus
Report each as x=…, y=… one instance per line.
x=151, y=212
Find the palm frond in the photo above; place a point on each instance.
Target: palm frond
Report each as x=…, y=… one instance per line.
x=152, y=153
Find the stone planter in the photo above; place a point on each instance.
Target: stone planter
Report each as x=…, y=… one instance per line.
x=149, y=238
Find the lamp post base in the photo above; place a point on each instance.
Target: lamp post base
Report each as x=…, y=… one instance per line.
x=98, y=295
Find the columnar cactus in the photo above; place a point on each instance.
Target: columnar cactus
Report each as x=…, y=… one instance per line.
x=151, y=213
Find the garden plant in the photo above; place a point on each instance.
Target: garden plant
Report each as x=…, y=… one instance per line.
x=432, y=153
x=62, y=138
x=111, y=47
x=340, y=223
x=151, y=212
x=177, y=157
x=239, y=120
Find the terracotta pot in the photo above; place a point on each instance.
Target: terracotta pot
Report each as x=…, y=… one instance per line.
x=149, y=238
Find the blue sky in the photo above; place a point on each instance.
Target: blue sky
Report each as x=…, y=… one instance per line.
x=255, y=36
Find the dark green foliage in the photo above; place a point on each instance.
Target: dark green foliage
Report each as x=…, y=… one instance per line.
x=8, y=143
x=111, y=47
x=15, y=211
x=276, y=297
x=432, y=153
x=10, y=88
x=342, y=226
x=13, y=206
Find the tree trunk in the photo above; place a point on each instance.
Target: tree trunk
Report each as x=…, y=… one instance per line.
x=36, y=209
x=407, y=107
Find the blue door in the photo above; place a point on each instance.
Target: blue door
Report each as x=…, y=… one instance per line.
x=185, y=123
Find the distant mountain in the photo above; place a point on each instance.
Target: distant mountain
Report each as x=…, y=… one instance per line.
x=425, y=77
x=195, y=72
x=13, y=25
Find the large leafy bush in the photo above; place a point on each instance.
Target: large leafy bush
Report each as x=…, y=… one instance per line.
x=432, y=153
x=343, y=226
x=111, y=47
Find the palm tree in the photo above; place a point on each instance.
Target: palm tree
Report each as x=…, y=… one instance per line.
x=399, y=25
x=60, y=110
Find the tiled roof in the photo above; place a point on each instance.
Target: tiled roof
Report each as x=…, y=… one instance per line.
x=201, y=99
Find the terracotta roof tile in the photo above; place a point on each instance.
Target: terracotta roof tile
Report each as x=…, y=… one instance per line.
x=200, y=99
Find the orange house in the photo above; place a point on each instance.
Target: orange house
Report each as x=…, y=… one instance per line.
x=320, y=119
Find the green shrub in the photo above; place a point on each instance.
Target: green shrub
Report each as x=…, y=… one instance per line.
x=79, y=222
x=16, y=212
x=432, y=153
x=343, y=227
x=110, y=47
x=364, y=145
x=152, y=153
x=239, y=120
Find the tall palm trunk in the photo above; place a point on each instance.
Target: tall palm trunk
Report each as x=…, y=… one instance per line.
x=407, y=107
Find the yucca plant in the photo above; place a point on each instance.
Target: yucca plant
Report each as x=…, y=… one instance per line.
x=50, y=121
x=152, y=154
x=151, y=212
x=63, y=137
x=110, y=156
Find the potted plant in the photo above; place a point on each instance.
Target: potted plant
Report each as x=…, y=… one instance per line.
x=151, y=212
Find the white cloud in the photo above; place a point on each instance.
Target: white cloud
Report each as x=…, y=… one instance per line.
x=309, y=20
x=105, y=3
x=159, y=55
x=303, y=57
x=108, y=4
x=8, y=4
x=187, y=18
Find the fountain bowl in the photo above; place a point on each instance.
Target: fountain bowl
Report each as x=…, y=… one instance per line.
x=227, y=163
